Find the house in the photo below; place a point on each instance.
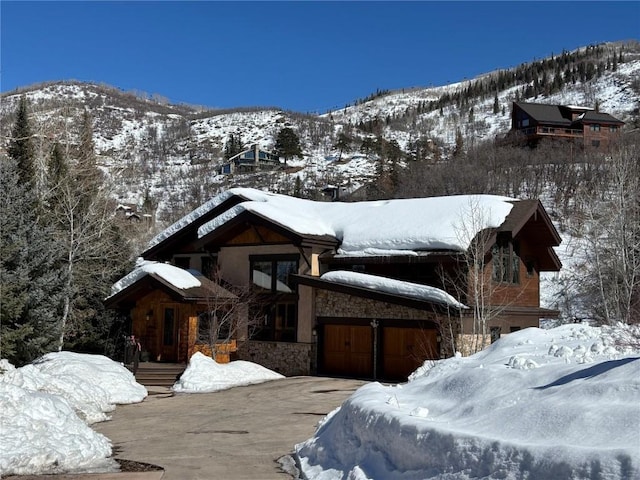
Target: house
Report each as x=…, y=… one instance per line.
x=537, y=121
x=363, y=289
x=251, y=160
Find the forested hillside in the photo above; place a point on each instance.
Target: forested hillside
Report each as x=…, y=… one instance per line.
x=72, y=152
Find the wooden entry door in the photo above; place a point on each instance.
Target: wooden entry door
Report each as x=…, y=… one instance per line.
x=169, y=338
x=405, y=349
x=348, y=350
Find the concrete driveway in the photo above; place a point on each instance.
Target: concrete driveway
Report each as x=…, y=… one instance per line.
x=234, y=434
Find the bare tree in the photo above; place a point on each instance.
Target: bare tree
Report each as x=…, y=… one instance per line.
x=610, y=236
x=228, y=317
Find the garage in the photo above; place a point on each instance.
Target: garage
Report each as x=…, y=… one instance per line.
x=347, y=350
x=390, y=351
x=405, y=349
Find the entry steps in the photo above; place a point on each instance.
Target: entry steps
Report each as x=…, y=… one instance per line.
x=159, y=374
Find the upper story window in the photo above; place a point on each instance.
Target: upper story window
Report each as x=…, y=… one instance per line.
x=595, y=127
x=276, y=297
x=613, y=128
x=506, y=260
x=270, y=274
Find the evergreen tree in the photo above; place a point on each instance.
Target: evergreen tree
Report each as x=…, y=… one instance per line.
x=29, y=280
x=233, y=146
x=21, y=147
x=343, y=143
x=57, y=168
x=288, y=144
x=459, y=144
x=496, y=105
x=297, y=188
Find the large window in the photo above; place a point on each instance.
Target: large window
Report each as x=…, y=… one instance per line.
x=276, y=299
x=506, y=261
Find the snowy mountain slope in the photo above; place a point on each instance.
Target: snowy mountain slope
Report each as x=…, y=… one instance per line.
x=172, y=152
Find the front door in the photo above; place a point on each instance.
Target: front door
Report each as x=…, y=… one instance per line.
x=169, y=348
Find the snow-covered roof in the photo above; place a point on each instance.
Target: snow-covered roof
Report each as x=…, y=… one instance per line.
x=247, y=193
x=434, y=223
x=177, y=277
x=395, y=287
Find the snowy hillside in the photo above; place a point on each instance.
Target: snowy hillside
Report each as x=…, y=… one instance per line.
x=172, y=153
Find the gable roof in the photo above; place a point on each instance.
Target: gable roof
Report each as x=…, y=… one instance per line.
x=183, y=285
x=375, y=227
x=360, y=229
x=562, y=115
x=593, y=116
x=549, y=114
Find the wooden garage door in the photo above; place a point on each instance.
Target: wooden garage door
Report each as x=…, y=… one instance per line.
x=348, y=350
x=405, y=349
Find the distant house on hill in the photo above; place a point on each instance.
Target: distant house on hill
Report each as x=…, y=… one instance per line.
x=251, y=160
x=362, y=289
x=537, y=121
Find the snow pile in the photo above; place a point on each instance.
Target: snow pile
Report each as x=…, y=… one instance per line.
x=389, y=285
x=42, y=434
x=538, y=404
x=47, y=405
x=205, y=375
x=410, y=224
x=177, y=277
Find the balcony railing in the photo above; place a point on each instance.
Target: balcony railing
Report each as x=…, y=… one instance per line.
x=553, y=132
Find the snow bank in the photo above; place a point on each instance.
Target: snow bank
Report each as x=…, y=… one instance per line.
x=538, y=404
x=47, y=405
x=42, y=434
x=205, y=375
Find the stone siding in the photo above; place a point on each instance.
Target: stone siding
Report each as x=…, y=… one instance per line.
x=289, y=359
x=334, y=304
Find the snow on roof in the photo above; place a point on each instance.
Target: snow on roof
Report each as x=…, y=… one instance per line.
x=402, y=224
x=248, y=193
x=177, y=277
x=396, y=287
x=559, y=403
x=578, y=107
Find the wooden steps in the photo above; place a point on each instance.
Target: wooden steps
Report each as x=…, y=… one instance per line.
x=159, y=374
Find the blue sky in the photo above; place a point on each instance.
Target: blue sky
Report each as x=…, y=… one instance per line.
x=303, y=56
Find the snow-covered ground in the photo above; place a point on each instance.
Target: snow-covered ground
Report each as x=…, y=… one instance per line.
x=205, y=375
x=539, y=404
x=46, y=407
